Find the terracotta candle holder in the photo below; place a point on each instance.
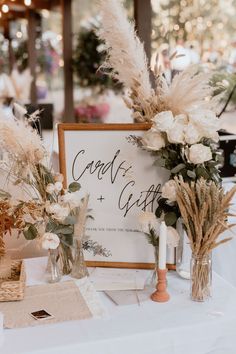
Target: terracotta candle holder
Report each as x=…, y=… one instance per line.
x=161, y=295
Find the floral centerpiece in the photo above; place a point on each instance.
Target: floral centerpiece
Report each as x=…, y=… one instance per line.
x=181, y=116
x=183, y=124
x=50, y=212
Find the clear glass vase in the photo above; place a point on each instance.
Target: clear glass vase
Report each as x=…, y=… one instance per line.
x=183, y=252
x=201, y=277
x=53, y=274
x=151, y=281
x=65, y=259
x=79, y=269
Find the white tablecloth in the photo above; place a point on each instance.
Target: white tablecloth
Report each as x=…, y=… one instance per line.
x=177, y=327
x=224, y=257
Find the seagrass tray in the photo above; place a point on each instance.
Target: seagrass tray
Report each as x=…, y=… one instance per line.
x=13, y=289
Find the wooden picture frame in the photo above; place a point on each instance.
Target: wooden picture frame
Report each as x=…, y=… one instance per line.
x=80, y=135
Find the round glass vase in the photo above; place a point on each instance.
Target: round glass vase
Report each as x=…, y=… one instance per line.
x=53, y=274
x=183, y=252
x=79, y=268
x=201, y=278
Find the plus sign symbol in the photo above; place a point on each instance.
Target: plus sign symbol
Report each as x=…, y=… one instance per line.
x=101, y=199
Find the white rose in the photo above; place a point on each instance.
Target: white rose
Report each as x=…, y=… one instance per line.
x=207, y=123
x=148, y=221
x=172, y=237
x=176, y=134
x=199, y=153
x=58, y=187
x=192, y=134
x=50, y=241
x=52, y=208
x=71, y=199
x=181, y=119
x=59, y=212
x=50, y=188
x=153, y=140
x=169, y=191
x=163, y=121
x=62, y=213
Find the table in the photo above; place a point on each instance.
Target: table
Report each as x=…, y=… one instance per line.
x=224, y=260
x=177, y=327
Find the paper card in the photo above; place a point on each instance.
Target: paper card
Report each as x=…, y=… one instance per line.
x=118, y=279
x=128, y=297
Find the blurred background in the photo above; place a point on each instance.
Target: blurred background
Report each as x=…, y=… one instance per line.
x=50, y=55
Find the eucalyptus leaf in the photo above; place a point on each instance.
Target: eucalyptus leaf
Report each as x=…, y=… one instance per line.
x=160, y=162
x=178, y=168
x=30, y=232
x=70, y=219
x=191, y=174
x=64, y=229
x=51, y=226
x=74, y=187
x=173, y=155
x=202, y=172
x=67, y=239
x=170, y=218
x=158, y=212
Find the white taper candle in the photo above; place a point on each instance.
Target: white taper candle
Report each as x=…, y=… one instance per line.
x=162, y=246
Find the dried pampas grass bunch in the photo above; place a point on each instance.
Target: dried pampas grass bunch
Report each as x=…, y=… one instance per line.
x=127, y=59
x=126, y=55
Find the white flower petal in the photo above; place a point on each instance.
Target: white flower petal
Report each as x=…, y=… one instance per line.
x=153, y=140
x=163, y=121
x=199, y=153
x=169, y=190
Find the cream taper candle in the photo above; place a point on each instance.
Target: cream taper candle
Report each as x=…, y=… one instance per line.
x=162, y=246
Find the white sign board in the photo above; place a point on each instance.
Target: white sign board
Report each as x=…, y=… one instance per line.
x=121, y=181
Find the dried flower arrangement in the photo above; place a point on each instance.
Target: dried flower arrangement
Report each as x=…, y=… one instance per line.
x=205, y=209
x=183, y=135
x=6, y=222
x=51, y=212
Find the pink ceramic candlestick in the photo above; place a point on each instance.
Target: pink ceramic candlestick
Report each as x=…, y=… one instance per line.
x=161, y=295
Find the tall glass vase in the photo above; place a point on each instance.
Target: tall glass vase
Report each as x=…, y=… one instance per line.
x=53, y=274
x=79, y=269
x=201, y=277
x=183, y=252
x=152, y=279
x=65, y=259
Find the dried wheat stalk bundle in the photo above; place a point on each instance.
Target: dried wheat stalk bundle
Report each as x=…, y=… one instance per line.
x=204, y=208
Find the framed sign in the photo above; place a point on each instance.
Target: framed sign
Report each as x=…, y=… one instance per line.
x=228, y=148
x=122, y=182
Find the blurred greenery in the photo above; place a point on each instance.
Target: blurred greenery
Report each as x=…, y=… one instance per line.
x=89, y=55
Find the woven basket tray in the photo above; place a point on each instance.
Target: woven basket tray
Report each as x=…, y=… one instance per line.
x=13, y=289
